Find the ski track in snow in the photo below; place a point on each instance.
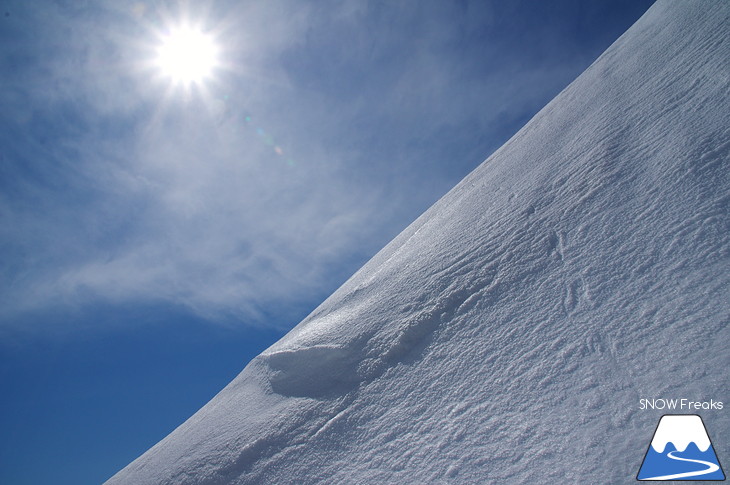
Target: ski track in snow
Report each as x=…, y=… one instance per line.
x=508, y=334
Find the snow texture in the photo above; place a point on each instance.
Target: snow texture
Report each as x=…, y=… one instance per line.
x=508, y=334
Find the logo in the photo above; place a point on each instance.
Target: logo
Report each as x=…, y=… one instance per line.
x=680, y=450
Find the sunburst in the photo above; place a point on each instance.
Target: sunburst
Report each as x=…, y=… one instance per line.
x=187, y=55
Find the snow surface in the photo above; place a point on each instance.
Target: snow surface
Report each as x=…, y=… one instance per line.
x=680, y=430
x=508, y=334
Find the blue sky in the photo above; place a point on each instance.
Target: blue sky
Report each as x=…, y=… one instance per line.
x=156, y=238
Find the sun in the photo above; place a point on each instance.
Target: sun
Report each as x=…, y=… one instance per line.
x=187, y=55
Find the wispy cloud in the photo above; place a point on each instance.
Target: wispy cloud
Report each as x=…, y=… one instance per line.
x=332, y=126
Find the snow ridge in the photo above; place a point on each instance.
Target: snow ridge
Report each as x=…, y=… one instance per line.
x=508, y=334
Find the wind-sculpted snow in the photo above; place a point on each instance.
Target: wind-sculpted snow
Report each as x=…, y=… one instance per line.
x=508, y=334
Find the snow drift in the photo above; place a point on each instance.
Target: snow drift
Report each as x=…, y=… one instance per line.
x=510, y=331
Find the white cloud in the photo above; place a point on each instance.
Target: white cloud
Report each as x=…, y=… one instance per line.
x=124, y=191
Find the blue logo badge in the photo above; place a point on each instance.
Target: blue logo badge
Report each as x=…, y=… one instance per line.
x=680, y=450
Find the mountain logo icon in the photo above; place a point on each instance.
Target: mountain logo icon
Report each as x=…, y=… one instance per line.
x=681, y=450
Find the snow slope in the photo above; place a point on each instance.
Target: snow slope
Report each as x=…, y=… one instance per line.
x=508, y=334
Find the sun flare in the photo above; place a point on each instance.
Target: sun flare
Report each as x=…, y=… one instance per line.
x=187, y=55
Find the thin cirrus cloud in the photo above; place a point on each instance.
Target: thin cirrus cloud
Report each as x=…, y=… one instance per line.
x=330, y=126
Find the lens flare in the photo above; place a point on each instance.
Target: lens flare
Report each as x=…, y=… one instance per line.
x=268, y=140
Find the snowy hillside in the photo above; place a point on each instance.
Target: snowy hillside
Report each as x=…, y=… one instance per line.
x=508, y=334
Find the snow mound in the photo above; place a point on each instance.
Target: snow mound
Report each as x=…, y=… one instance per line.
x=509, y=333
